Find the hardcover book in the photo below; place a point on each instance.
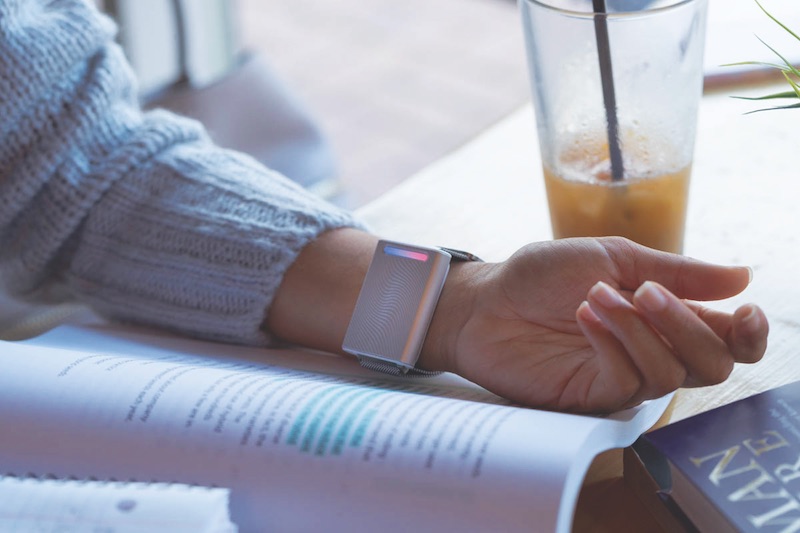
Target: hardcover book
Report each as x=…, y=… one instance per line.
x=731, y=469
x=304, y=441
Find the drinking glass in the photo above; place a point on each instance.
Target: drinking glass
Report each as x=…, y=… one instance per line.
x=616, y=86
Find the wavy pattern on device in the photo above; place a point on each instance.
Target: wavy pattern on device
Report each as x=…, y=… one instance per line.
x=385, y=328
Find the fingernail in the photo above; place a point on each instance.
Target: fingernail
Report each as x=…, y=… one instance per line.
x=750, y=273
x=650, y=296
x=751, y=321
x=585, y=312
x=606, y=296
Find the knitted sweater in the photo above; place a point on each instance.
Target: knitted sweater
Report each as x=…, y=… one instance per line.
x=137, y=214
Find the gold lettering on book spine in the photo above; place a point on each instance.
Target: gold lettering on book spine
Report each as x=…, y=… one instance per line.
x=772, y=441
x=788, y=472
x=775, y=518
x=720, y=472
x=762, y=487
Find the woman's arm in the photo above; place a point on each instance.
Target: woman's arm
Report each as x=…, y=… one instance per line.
x=142, y=217
x=139, y=215
x=576, y=324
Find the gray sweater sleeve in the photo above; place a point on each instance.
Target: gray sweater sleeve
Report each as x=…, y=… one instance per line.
x=137, y=214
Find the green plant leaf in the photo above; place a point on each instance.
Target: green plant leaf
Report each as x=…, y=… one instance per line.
x=793, y=34
x=788, y=66
x=793, y=84
x=793, y=106
x=759, y=63
x=789, y=71
x=787, y=94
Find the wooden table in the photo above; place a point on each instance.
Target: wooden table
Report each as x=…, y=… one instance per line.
x=488, y=197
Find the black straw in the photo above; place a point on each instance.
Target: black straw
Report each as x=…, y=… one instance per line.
x=607, y=80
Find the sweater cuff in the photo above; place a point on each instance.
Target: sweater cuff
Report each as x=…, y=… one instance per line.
x=197, y=240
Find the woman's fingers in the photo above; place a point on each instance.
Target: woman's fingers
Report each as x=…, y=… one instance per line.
x=661, y=372
x=699, y=348
x=748, y=340
x=682, y=275
x=665, y=342
x=619, y=381
x=745, y=332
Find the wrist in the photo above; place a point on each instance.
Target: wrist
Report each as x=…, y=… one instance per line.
x=453, y=310
x=317, y=297
x=313, y=305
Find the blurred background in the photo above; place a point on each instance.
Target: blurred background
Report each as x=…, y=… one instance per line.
x=378, y=88
x=392, y=86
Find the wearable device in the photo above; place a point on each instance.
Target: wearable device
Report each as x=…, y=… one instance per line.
x=396, y=305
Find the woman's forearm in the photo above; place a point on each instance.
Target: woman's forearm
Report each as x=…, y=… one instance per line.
x=315, y=300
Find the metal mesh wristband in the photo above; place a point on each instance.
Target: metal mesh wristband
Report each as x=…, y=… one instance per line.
x=385, y=367
x=393, y=369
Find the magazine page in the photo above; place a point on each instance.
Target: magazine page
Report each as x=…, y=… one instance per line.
x=300, y=450
x=94, y=333
x=68, y=506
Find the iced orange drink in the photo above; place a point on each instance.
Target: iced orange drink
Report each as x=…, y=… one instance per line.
x=647, y=206
x=621, y=79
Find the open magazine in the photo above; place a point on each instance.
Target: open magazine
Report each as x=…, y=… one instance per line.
x=304, y=441
x=38, y=505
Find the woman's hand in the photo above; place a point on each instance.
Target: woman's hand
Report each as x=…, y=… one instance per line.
x=592, y=325
x=588, y=325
